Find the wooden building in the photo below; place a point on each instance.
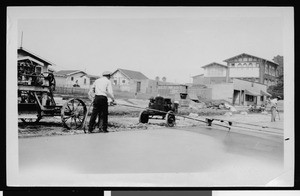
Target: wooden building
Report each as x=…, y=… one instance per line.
x=130, y=81
x=252, y=68
x=72, y=78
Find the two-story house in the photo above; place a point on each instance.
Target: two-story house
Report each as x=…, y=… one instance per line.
x=252, y=68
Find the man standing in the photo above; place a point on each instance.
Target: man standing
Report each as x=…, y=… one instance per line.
x=273, y=103
x=102, y=88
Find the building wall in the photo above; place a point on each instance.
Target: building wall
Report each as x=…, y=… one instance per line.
x=240, y=86
x=198, y=79
x=151, y=86
x=244, y=69
x=252, y=68
x=200, y=92
x=222, y=91
x=60, y=81
x=68, y=82
x=215, y=71
x=131, y=86
x=209, y=80
x=44, y=67
x=119, y=79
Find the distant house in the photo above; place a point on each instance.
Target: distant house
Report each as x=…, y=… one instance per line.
x=72, y=78
x=214, y=73
x=39, y=64
x=128, y=80
x=252, y=68
x=243, y=81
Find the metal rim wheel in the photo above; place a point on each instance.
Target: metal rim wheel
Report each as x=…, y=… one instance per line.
x=170, y=119
x=73, y=113
x=143, y=117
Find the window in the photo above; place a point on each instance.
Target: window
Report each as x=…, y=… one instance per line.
x=249, y=98
x=183, y=95
x=261, y=98
x=38, y=69
x=72, y=78
x=123, y=81
x=84, y=81
x=115, y=82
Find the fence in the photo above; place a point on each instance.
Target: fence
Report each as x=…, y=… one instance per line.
x=71, y=90
x=82, y=92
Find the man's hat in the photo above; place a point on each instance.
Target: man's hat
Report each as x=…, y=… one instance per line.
x=106, y=73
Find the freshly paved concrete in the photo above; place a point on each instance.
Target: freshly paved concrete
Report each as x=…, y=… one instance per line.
x=215, y=157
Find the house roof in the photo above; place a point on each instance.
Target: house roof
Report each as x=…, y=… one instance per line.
x=31, y=54
x=244, y=54
x=92, y=76
x=132, y=74
x=214, y=63
x=198, y=75
x=68, y=72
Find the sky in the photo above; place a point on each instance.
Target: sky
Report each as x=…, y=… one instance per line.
x=171, y=42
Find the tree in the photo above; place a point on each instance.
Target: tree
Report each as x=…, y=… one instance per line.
x=279, y=59
x=278, y=89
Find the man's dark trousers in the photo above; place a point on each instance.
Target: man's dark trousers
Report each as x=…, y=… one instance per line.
x=100, y=107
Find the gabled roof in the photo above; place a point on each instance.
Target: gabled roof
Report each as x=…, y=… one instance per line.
x=214, y=63
x=31, y=54
x=197, y=75
x=92, y=76
x=68, y=72
x=248, y=55
x=132, y=74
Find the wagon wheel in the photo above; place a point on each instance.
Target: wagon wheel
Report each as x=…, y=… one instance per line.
x=143, y=117
x=170, y=119
x=73, y=113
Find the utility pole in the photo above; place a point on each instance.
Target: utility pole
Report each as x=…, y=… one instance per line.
x=22, y=39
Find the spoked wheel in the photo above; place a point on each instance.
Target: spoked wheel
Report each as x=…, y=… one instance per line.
x=144, y=117
x=170, y=119
x=73, y=113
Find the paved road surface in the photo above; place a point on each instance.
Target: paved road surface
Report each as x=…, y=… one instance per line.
x=215, y=157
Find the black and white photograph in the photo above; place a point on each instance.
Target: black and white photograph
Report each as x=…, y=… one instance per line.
x=150, y=96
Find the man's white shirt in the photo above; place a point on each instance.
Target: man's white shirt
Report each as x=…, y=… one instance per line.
x=102, y=86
